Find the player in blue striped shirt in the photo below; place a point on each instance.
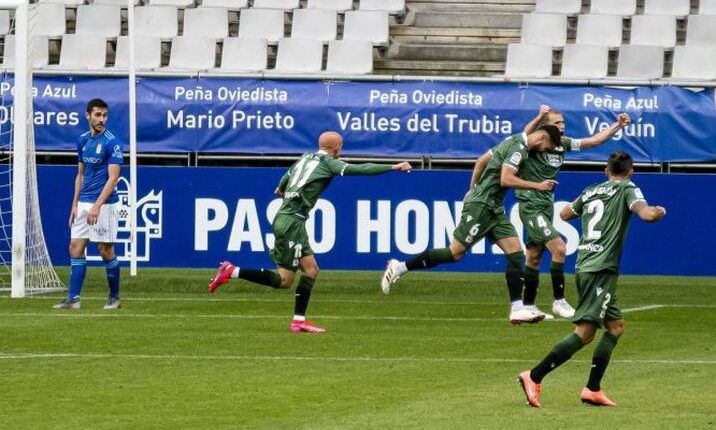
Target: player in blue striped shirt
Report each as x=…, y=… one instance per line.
x=93, y=216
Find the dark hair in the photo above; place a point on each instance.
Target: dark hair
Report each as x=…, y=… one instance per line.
x=553, y=132
x=620, y=163
x=96, y=103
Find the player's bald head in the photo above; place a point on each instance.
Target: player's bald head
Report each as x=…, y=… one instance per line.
x=331, y=142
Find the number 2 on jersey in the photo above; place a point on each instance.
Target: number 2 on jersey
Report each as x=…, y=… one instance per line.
x=596, y=208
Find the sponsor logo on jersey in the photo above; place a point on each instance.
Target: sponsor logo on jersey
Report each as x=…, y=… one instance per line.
x=516, y=158
x=591, y=247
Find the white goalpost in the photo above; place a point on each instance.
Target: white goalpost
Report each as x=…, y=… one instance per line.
x=25, y=266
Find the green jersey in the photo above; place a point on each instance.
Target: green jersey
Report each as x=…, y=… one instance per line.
x=606, y=211
x=304, y=182
x=511, y=152
x=542, y=166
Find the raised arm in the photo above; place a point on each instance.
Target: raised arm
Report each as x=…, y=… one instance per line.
x=606, y=134
x=648, y=213
x=509, y=179
x=366, y=169
x=480, y=165
x=532, y=126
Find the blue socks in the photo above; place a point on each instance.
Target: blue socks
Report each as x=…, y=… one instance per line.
x=78, y=269
x=112, y=267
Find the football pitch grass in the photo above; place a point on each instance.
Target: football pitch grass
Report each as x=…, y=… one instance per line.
x=438, y=352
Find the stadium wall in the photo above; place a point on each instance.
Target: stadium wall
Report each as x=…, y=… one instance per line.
x=196, y=217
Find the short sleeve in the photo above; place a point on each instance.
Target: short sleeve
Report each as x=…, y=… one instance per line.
x=515, y=158
x=570, y=144
x=80, y=143
x=116, y=152
x=577, y=205
x=634, y=196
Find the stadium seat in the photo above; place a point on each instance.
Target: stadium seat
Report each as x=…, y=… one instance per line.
x=640, y=62
x=262, y=24
x=232, y=5
x=337, y=5
x=678, y=8
x=99, y=20
x=147, y=52
x=393, y=7
x=317, y=24
x=192, y=53
x=525, y=60
x=613, y=7
x=243, y=55
x=694, y=62
x=47, y=19
x=156, y=21
x=285, y=5
x=299, y=56
x=4, y=21
x=544, y=29
x=570, y=7
x=120, y=3
x=368, y=25
x=209, y=22
x=707, y=7
x=177, y=3
x=65, y=3
x=585, y=61
x=655, y=30
x=82, y=52
x=605, y=30
x=349, y=57
x=39, y=55
x=701, y=30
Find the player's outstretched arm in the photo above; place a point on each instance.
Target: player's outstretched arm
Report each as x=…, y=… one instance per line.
x=532, y=126
x=367, y=169
x=509, y=179
x=648, y=213
x=606, y=134
x=480, y=165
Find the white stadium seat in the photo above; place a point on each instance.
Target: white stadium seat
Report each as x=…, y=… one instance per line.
x=299, y=56
x=603, y=30
x=65, y=3
x=262, y=24
x=701, y=30
x=176, y=3
x=317, y=24
x=47, y=19
x=656, y=30
x=285, y=5
x=525, y=60
x=210, y=22
x=147, y=52
x=349, y=57
x=544, y=29
x=120, y=3
x=243, y=55
x=694, y=62
x=707, y=7
x=4, y=21
x=156, y=21
x=83, y=52
x=678, y=8
x=640, y=62
x=232, y=5
x=192, y=53
x=393, y=7
x=337, y=5
x=613, y=7
x=39, y=52
x=371, y=26
x=585, y=61
x=99, y=20
x=570, y=7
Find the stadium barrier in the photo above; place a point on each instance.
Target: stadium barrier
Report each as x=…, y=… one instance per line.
x=195, y=217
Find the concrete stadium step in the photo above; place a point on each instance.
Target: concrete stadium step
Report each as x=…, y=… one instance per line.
x=439, y=68
x=446, y=52
x=465, y=19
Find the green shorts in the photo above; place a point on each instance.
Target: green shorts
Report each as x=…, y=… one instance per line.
x=291, y=241
x=478, y=221
x=597, y=297
x=538, y=223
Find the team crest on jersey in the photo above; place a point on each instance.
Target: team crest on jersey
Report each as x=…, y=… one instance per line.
x=149, y=224
x=516, y=158
x=554, y=160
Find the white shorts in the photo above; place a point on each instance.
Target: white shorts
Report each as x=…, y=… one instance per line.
x=104, y=230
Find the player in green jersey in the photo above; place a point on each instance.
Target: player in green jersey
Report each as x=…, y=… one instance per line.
x=606, y=210
x=536, y=208
x=300, y=188
x=483, y=215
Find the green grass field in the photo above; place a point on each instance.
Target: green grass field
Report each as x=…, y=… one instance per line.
x=436, y=353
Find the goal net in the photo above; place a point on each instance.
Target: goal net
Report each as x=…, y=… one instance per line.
x=25, y=266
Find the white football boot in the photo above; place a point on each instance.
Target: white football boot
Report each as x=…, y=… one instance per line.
x=390, y=276
x=539, y=311
x=524, y=315
x=562, y=309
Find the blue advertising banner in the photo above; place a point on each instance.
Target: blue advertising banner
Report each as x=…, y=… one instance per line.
x=396, y=119
x=196, y=217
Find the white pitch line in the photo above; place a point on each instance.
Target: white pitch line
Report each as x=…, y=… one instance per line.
x=642, y=308
x=61, y=355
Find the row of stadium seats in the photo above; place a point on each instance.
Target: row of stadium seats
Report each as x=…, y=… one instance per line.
x=607, y=30
x=679, y=8
x=187, y=53
x=394, y=7
x=592, y=62
x=210, y=22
